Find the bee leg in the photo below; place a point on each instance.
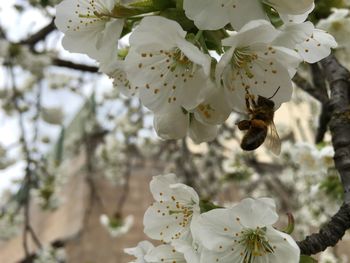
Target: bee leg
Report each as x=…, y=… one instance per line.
x=250, y=98
x=247, y=103
x=244, y=125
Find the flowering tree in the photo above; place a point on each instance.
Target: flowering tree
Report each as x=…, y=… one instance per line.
x=202, y=70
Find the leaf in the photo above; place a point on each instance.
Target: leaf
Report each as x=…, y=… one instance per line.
x=59, y=148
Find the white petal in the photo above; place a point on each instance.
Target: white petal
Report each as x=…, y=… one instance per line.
x=286, y=249
x=161, y=224
x=291, y=7
x=236, y=12
x=86, y=33
x=287, y=18
x=241, y=12
x=166, y=254
x=227, y=256
x=317, y=46
x=253, y=213
x=293, y=34
x=214, y=109
x=195, y=55
x=257, y=31
x=200, y=132
x=140, y=250
x=201, y=10
x=171, y=124
x=160, y=186
x=215, y=229
x=164, y=32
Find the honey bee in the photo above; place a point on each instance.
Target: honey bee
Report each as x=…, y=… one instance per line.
x=260, y=128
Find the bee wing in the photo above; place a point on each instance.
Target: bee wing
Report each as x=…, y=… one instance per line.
x=272, y=141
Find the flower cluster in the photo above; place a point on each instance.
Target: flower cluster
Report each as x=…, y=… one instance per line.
x=193, y=63
x=196, y=231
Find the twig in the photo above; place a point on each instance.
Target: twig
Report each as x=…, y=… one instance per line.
x=68, y=64
x=28, y=171
x=321, y=86
x=40, y=35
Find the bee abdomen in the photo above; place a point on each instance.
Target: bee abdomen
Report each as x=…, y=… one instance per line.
x=253, y=138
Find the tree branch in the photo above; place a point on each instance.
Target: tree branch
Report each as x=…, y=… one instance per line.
x=40, y=35
x=329, y=234
x=307, y=87
x=339, y=82
x=68, y=64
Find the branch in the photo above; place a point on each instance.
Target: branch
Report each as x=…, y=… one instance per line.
x=40, y=35
x=326, y=114
x=329, y=234
x=68, y=64
x=308, y=88
x=339, y=81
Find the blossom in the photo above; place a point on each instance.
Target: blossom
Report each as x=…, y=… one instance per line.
x=244, y=233
x=140, y=251
x=312, y=44
x=169, y=217
x=165, y=68
x=89, y=27
x=306, y=156
x=176, y=124
x=164, y=253
x=53, y=115
x=290, y=7
x=117, y=226
x=254, y=64
x=213, y=15
x=145, y=252
x=338, y=24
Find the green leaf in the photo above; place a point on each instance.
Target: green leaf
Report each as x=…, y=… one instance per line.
x=180, y=17
x=291, y=223
x=307, y=259
x=59, y=148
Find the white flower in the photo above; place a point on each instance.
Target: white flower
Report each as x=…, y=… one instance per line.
x=311, y=44
x=252, y=63
x=306, y=156
x=215, y=14
x=50, y=254
x=53, y=115
x=164, y=253
x=244, y=233
x=338, y=25
x=170, y=216
x=116, y=70
x=145, y=252
x=117, y=226
x=140, y=251
x=89, y=27
x=164, y=67
x=176, y=124
x=189, y=248
x=291, y=7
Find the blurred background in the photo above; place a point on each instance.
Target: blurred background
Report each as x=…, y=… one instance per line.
x=76, y=157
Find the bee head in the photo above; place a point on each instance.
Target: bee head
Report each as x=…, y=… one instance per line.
x=265, y=102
